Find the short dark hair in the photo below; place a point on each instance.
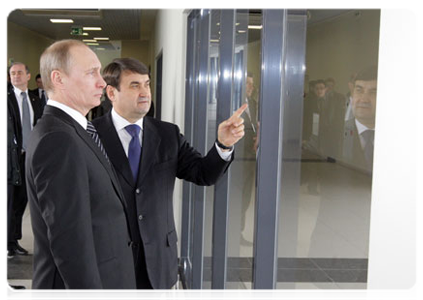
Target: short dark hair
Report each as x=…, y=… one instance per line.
x=18, y=63
x=112, y=72
x=320, y=81
x=330, y=79
x=38, y=76
x=367, y=74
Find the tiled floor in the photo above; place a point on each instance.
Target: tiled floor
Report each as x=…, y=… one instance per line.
x=327, y=234
x=20, y=267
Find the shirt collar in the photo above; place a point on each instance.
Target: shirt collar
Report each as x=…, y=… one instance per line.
x=18, y=91
x=120, y=122
x=360, y=127
x=74, y=114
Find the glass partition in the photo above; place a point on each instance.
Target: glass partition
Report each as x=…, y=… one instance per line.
x=213, y=77
x=325, y=213
x=247, y=70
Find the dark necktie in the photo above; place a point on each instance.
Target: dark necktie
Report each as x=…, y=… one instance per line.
x=26, y=120
x=93, y=133
x=368, y=137
x=134, y=150
x=43, y=97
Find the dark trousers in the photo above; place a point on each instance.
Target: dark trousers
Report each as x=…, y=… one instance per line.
x=141, y=275
x=18, y=200
x=9, y=211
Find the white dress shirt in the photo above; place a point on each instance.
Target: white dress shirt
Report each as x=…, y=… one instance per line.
x=360, y=129
x=19, y=99
x=125, y=138
x=74, y=114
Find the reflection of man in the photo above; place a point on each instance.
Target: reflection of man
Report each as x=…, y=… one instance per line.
x=247, y=151
x=81, y=238
x=24, y=111
x=320, y=88
x=348, y=98
x=359, y=132
x=148, y=155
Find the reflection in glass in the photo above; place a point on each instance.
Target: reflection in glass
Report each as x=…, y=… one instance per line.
x=247, y=61
x=337, y=147
x=213, y=76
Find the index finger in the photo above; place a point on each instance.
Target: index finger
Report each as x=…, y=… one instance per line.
x=240, y=110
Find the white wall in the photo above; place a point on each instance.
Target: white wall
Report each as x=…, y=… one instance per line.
x=393, y=256
x=170, y=39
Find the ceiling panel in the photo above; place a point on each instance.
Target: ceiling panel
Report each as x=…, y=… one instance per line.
x=123, y=24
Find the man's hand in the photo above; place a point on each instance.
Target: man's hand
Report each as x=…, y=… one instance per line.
x=232, y=130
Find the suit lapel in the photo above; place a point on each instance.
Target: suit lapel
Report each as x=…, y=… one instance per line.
x=151, y=142
x=14, y=102
x=113, y=146
x=35, y=104
x=83, y=134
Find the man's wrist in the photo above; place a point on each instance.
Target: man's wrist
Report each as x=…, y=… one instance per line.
x=223, y=147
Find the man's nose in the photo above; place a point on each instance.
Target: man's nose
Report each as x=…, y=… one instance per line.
x=144, y=91
x=101, y=83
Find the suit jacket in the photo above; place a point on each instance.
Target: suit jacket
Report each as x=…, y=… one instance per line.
x=43, y=100
x=15, y=113
x=78, y=216
x=245, y=147
x=165, y=155
x=352, y=151
x=12, y=168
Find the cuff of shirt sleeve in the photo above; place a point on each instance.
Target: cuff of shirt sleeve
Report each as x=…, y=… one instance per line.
x=226, y=156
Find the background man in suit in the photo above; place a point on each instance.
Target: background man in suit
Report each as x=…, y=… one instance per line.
x=359, y=131
x=23, y=112
x=13, y=173
x=246, y=153
x=81, y=235
x=147, y=176
x=40, y=91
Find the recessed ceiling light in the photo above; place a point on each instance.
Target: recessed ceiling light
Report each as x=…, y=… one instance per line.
x=90, y=41
x=101, y=38
x=255, y=26
x=85, y=33
x=100, y=48
x=61, y=20
x=91, y=28
x=93, y=44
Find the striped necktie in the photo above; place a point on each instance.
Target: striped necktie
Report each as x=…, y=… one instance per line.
x=93, y=133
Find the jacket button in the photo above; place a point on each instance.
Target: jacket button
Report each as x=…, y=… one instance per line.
x=140, y=217
x=137, y=191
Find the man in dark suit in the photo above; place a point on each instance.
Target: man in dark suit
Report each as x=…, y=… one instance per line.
x=13, y=174
x=359, y=131
x=78, y=211
x=148, y=155
x=40, y=91
x=23, y=112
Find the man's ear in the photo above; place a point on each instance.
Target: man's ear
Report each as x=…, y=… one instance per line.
x=56, y=78
x=110, y=91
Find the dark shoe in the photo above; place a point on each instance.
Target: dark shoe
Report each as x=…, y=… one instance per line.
x=19, y=250
x=13, y=289
x=11, y=254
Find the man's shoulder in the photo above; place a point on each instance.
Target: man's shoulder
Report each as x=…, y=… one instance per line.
x=102, y=122
x=33, y=94
x=163, y=128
